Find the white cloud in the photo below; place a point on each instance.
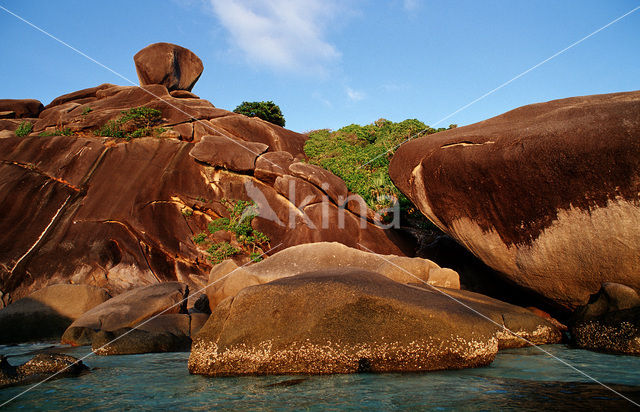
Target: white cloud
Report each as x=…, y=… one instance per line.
x=354, y=95
x=410, y=5
x=281, y=34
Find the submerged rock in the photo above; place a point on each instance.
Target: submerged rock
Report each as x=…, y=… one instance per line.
x=353, y=320
x=548, y=194
x=40, y=367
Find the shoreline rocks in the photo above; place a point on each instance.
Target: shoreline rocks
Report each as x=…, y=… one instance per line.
x=41, y=366
x=351, y=320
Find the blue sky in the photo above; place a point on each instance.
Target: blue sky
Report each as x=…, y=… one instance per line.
x=329, y=63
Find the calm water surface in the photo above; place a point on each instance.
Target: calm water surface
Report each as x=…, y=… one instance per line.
x=522, y=379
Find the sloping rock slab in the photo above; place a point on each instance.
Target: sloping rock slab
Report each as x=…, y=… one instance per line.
x=548, y=194
x=46, y=313
x=21, y=107
x=331, y=184
x=236, y=155
x=346, y=321
x=128, y=310
x=227, y=279
x=40, y=367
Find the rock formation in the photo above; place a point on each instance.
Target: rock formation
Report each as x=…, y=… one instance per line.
x=227, y=279
x=119, y=214
x=42, y=366
x=547, y=194
x=352, y=320
x=173, y=66
x=46, y=313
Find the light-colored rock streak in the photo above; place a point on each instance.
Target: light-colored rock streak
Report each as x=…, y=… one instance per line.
x=44, y=232
x=595, y=243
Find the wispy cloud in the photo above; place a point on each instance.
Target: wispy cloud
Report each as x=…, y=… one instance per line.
x=411, y=5
x=281, y=34
x=354, y=95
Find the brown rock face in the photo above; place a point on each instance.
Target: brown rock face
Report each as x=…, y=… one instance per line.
x=21, y=107
x=548, y=194
x=352, y=320
x=118, y=215
x=173, y=66
x=232, y=154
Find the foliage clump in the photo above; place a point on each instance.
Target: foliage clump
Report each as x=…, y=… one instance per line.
x=24, y=129
x=58, y=131
x=244, y=239
x=133, y=123
x=360, y=155
x=268, y=111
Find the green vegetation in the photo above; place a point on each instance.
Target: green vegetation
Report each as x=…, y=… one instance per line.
x=24, y=129
x=360, y=155
x=268, y=111
x=187, y=212
x=86, y=111
x=244, y=239
x=133, y=123
x=57, y=132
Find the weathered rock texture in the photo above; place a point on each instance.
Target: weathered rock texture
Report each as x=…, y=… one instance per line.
x=128, y=310
x=20, y=108
x=610, y=322
x=227, y=279
x=41, y=367
x=117, y=214
x=548, y=194
x=353, y=320
x=173, y=66
x=46, y=313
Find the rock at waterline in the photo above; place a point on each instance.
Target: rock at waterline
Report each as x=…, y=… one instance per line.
x=353, y=320
x=46, y=313
x=547, y=193
x=610, y=322
x=41, y=366
x=128, y=310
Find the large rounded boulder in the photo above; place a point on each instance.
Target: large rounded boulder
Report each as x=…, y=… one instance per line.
x=547, y=194
x=168, y=64
x=352, y=320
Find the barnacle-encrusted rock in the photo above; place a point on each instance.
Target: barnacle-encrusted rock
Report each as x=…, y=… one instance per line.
x=353, y=320
x=40, y=367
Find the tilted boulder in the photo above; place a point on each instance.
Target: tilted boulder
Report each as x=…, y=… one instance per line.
x=227, y=279
x=173, y=66
x=128, y=310
x=46, y=313
x=353, y=320
x=547, y=194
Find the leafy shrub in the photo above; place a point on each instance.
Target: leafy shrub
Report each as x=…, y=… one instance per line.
x=86, y=111
x=221, y=251
x=268, y=111
x=360, y=155
x=247, y=240
x=57, y=132
x=24, y=129
x=133, y=123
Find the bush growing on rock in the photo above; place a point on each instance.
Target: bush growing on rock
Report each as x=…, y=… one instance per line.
x=360, y=156
x=24, y=129
x=135, y=122
x=268, y=111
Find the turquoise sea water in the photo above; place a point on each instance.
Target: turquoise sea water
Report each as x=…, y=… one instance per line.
x=522, y=379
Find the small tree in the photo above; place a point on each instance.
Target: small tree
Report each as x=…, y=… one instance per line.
x=268, y=111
